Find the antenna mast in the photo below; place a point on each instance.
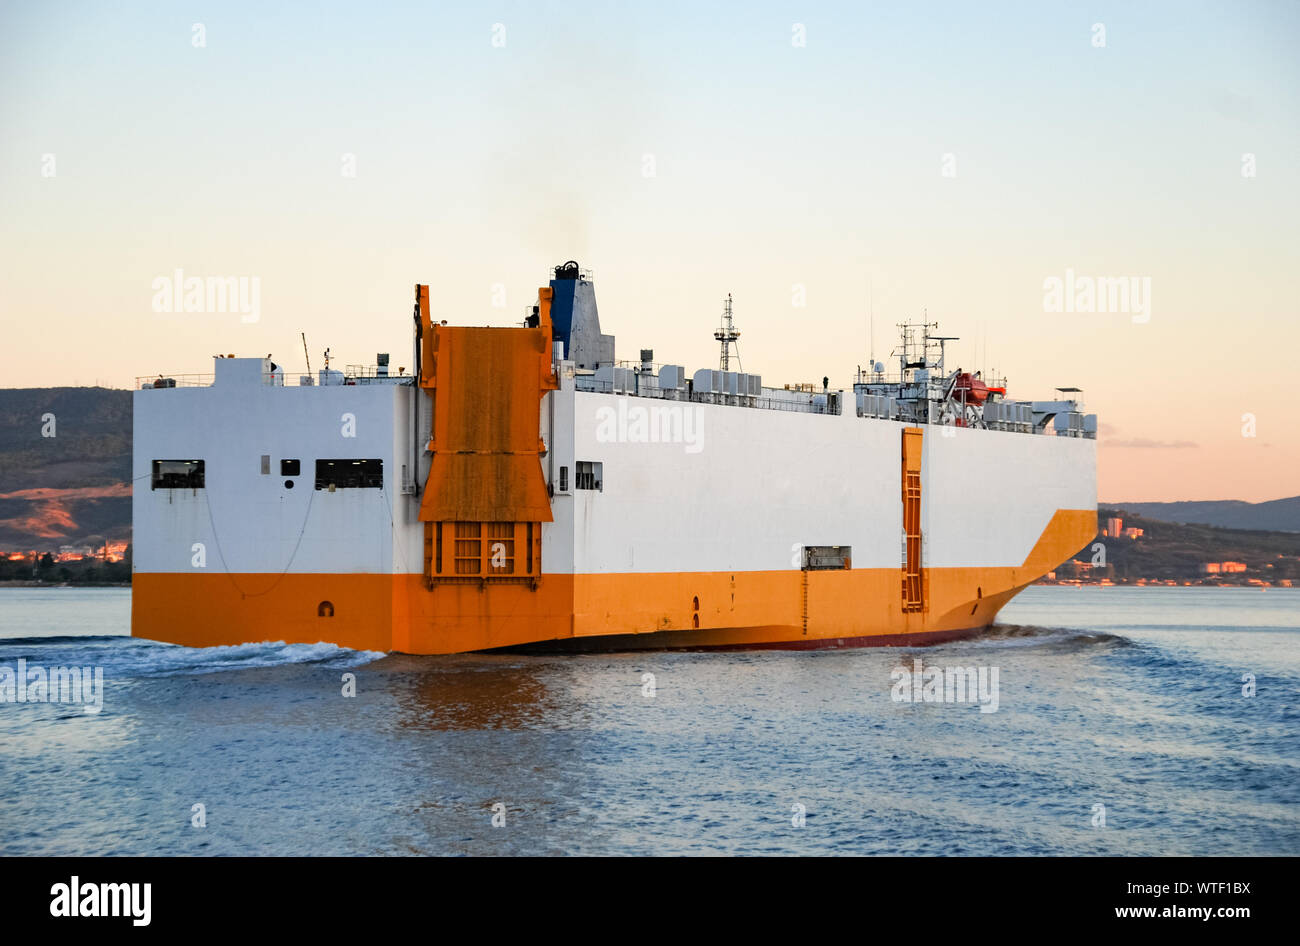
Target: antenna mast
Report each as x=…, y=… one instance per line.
x=871, y=325
x=305, y=352
x=728, y=336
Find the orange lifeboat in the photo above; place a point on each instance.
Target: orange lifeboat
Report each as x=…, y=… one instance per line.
x=970, y=389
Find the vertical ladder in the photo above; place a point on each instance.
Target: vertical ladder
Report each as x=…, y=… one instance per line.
x=913, y=581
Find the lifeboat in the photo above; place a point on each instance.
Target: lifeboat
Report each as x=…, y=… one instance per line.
x=970, y=389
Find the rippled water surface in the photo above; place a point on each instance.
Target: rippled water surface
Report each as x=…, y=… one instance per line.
x=1127, y=698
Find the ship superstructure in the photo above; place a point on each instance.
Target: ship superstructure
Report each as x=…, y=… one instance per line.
x=521, y=485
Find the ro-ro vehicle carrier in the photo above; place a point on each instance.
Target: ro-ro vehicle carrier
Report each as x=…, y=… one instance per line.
x=521, y=485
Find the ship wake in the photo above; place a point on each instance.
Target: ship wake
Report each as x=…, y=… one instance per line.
x=1065, y=639
x=132, y=657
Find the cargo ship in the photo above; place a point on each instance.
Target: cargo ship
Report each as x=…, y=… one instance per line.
x=521, y=486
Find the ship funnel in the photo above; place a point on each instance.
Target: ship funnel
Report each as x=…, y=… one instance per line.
x=575, y=319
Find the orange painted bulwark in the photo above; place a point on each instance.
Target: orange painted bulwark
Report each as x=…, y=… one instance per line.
x=741, y=609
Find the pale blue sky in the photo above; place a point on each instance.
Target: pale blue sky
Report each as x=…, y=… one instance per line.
x=775, y=165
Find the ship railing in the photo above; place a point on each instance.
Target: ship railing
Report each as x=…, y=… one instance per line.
x=589, y=384
x=280, y=378
x=355, y=374
x=373, y=371
x=646, y=386
x=904, y=412
x=788, y=404
x=639, y=367
x=150, y=382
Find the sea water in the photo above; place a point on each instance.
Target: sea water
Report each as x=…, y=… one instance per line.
x=1139, y=721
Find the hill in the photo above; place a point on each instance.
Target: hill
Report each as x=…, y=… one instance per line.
x=1278, y=515
x=1171, y=551
x=65, y=467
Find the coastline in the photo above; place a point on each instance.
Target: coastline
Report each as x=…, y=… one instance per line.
x=29, y=583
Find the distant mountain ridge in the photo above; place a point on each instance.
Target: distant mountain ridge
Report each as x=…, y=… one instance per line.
x=1276, y=515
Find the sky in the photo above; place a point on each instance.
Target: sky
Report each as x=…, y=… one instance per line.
x=837, y=168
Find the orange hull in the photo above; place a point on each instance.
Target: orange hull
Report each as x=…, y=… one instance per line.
x=791, y=608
